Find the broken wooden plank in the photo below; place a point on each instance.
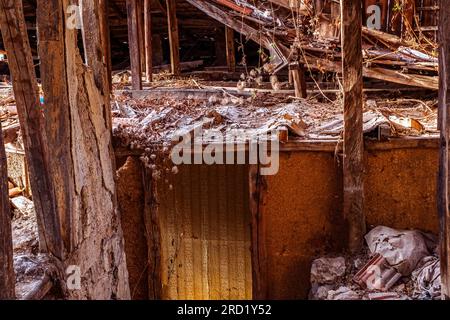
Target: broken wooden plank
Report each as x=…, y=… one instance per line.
x=351, y=17
x=278, y=51
x=444, y=159
x=10, y=133
x=20, y=61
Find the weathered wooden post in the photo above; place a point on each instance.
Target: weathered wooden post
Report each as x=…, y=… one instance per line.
x=173, y=36
x=7, y=280
x=444, y=108
x=32, y=123
x=134, y=45
x=351, y=25
x=148, y=40
x=231, y=56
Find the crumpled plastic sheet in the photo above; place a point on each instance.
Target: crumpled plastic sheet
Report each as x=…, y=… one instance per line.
x=427, y=279
x=402, y=249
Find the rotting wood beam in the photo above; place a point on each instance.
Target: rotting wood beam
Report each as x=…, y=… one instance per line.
x=96, y=43
x=152, y=234
x=352, y=66
x=51, y=49
x=20, y=60
x=7, y=278
x=133, y=44
x=444, y=159
x=148, y=40
x=173, y=36
x=231, y=54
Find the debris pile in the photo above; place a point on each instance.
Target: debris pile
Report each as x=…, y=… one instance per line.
x=306, y=33
x=396, y=265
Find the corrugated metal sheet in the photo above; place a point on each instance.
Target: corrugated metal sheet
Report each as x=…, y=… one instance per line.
x=205, y=230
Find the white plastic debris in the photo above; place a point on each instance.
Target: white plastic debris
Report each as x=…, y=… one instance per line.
x=402, y=249
x=427, y=279
x=327, y=270
x=343, y=293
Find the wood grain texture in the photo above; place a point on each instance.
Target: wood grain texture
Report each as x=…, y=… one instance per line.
x=444, y=159
x=20, y=61
x=133, y=44
x=7, y=278
x=148, y=40
x=173, y=36
x=353, y=122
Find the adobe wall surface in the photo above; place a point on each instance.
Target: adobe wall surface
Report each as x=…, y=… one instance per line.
x=304, y=215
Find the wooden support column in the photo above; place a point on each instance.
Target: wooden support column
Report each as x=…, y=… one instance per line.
x=96, y=43
x=106, y=37
x=444, y=159
x=353, y=122
x=297, y=74
x=148, y=40
x=7, y=279
x=133, y=43
x=231, y=56
x=57, y=116
x=141, y=28
x=173, y=37
x=258, y=198
x=32, y=122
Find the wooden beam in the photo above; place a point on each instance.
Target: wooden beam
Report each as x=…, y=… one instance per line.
x=148, y=40
x=133, y=44
x=257, y=199
x=141, y=28
x=104, y=6
x=21, y=66
x=231, y=54
x=51, y=50
x=7, y=278
x=173, y=36
x=153, y=235
x=351, y=17
x=444, y=159
x=96, y=42
x=297, y=73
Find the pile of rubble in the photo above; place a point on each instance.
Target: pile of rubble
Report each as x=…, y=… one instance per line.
x=307, y=33
x=397, y=265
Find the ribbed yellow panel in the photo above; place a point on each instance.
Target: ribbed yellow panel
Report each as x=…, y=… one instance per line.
x=205, y=230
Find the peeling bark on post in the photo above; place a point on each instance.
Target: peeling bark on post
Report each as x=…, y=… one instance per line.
x=353, y=122
x=133, y=44
x=148, y=40
x=444, y=159
x=20, y=62
x=7, y=279
x=173, y=37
